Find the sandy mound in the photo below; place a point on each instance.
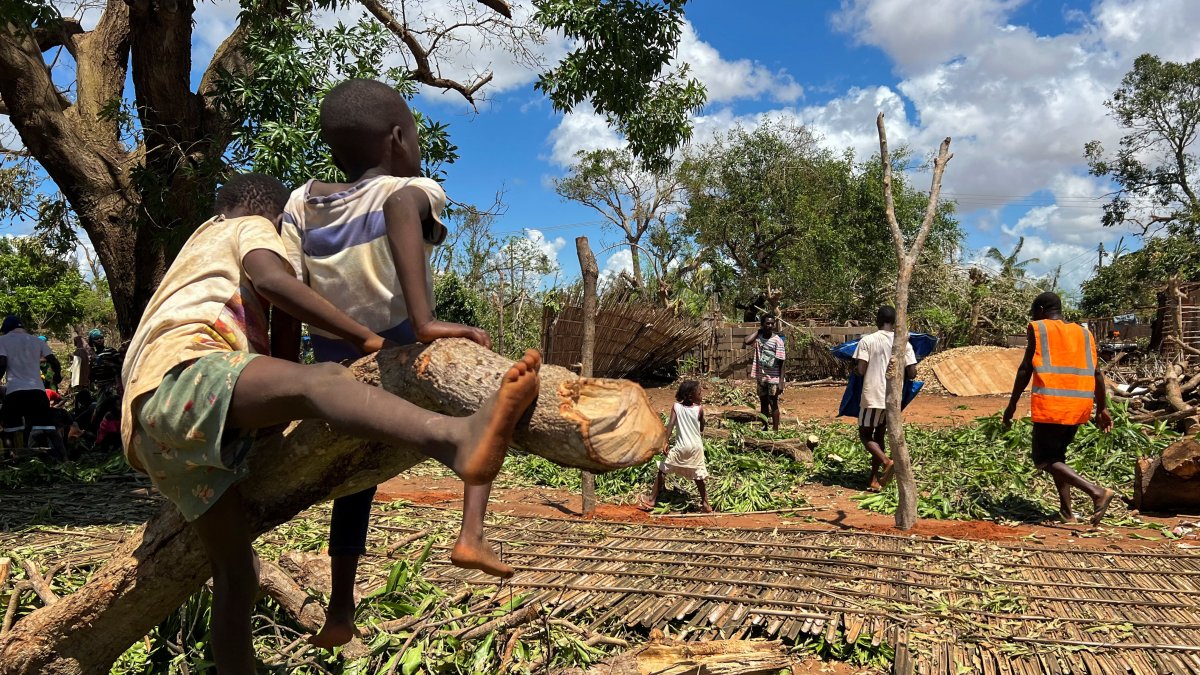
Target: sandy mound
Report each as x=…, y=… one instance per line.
x=925, y=368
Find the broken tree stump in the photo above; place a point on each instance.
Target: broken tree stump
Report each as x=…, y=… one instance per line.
x=595, y=424
x=1171, y=482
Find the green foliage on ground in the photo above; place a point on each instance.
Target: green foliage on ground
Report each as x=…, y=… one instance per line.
x=980, y=471
x=984, y=471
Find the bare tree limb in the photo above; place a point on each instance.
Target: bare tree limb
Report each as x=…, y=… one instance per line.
x=499, y=6
x=58, y=33
x=424, y=72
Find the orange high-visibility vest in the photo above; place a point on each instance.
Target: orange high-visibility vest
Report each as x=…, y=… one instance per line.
x=1064, y=377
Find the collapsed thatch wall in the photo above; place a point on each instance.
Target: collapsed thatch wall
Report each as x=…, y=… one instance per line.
x=633, y=338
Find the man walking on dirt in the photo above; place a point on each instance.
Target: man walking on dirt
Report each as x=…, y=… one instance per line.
x=1061, y=360
x=872, y=358
x=767, y=368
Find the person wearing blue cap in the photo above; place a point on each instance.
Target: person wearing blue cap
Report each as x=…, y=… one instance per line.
x=26, y=408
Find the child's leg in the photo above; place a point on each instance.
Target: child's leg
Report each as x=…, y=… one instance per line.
x=227, y=542
x=272, y=391
x=658, y=485
x=872, y=440
x=704, y=505
x=472, y=550
x=347, y=542
x=775, y=410
x=764, y=407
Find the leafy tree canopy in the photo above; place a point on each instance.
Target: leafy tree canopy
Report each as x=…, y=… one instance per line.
x=41, y=285
x=773, y=203
x=1158, y=104
x=1133, y=280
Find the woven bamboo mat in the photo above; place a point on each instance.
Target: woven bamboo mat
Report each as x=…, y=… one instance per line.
x=944, y=606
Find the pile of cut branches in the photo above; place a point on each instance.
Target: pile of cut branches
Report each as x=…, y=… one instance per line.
x=1171, y=397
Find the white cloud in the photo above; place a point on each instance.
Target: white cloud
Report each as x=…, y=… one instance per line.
x=581, y=130
x=550, y=247
x=729, y=80
x=917, y=34
x=621, y=261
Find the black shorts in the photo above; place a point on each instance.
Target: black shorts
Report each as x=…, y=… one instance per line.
x=29, y=408
x=1050, y=442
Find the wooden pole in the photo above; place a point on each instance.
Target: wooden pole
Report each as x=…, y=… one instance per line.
x=587, y=350
x=906, y=509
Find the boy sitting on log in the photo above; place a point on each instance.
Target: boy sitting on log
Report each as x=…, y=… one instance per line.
x=198, y=383
x=365, y=245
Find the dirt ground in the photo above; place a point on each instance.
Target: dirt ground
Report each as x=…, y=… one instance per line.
x=830, y=506
x=820, y=404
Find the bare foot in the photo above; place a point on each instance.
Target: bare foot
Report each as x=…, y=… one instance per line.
x=645, y=504
x=491, y=427
x=477, y=554
x=874, y=487
x=1068, y=518
x=338, y=630
x=1102, y=505
x=705, y=508
x=888, y=472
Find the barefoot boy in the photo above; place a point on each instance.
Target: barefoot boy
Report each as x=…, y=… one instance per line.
x=1061, y=360
x=872, y=358
x=365, y=246
x=197, y=385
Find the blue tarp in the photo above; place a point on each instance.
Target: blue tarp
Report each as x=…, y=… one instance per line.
x=922, y=345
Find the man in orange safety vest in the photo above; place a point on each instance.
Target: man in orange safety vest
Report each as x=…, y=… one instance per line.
x=1061, y=360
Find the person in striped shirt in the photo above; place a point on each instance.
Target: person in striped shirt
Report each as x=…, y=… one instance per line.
x=365, y=245
x=767, y=368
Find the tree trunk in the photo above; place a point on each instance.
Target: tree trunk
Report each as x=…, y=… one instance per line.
x=1182, y=459
x=637, y=264
x=906, y=509
x=906, y=482
x=1156, y=490
x=587, y=350
x=594, y=424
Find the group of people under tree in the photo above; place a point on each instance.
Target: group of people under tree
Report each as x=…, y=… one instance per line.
x=34, y=412
x=1060, y=359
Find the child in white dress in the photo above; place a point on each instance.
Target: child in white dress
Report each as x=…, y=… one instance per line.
x=686, y=457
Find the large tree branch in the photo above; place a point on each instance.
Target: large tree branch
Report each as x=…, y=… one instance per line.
x=499, y=6
x=161, y=54
x=587, y=423
x=58, y=33
x=424, y=71
x=101, y=62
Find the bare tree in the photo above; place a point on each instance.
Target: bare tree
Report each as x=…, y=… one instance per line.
x=906, y=509
x=615, y=185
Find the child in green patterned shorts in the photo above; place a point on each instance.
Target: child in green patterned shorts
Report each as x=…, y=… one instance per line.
x=199, y=382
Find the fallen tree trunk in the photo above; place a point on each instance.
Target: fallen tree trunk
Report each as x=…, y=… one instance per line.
x=599, y=425
x=797, y=449
x=1182, y=459
x=1155, y=489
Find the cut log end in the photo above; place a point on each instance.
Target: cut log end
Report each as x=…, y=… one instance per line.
x=614, y=440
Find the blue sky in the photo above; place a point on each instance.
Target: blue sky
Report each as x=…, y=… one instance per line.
x=1019, y=85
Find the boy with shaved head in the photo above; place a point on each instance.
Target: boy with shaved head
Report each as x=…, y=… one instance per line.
x=365, y=244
